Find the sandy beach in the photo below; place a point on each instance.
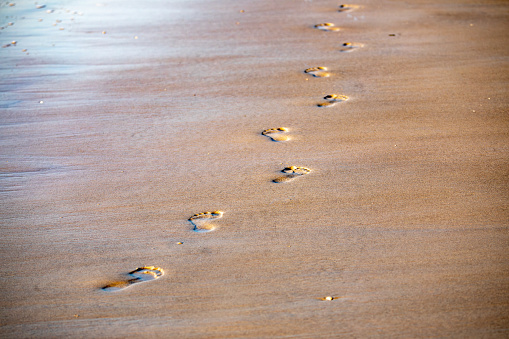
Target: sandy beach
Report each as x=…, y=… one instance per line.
x=382, y=215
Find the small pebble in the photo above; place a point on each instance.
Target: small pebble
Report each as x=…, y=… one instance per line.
x=328, y=298
x=180, y=243
x=10, y=24
x=40, y=6
x=41, y=102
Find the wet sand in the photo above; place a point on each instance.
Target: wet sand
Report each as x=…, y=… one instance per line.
x=118, y=128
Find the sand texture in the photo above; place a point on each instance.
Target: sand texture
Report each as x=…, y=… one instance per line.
x=142, y=196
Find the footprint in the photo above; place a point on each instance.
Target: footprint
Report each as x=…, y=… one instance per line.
x=328, y=27
x=350, y=46
x=333, y=99
x=292, y=172
x=201, y=221
x=277, y=134
x=141, y=274
x=348, y=8
x=319, y=72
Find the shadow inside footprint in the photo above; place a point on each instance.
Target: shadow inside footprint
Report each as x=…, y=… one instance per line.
x=319, y=72
x=348, y=7
x=327, y=26
x=291, y=172
x=333, y=99
x=141, y=274
x=277, y=134
x=202, y=221
x=348, y=47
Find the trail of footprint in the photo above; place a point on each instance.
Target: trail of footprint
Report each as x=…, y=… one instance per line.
x=327, y=26
x=319, y=72
x=333, y=99
x=141, y=274
x=201, y=221
x=277, y=134
x=292, y=172
x=350, y=46
x=348, y=7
